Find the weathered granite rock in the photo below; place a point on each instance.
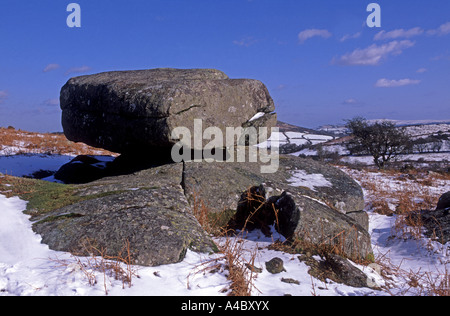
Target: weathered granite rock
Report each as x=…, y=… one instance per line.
x=322, y=226
x=153, y=208
x=437, y=222
x=81, y=169
x=338, y=269
x=312, y=200
x=437, y=225
x=444, y=202
x=147, y=209
x=132, y=111
x=220, y=185
x=275, y=266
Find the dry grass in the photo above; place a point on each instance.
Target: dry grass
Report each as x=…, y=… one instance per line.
x=413, y=283
x=336, y=244
x=403, y=195
x=21, y=142
x=231, y=250
x=99, y=263
x=240, y=275
x=233, y=258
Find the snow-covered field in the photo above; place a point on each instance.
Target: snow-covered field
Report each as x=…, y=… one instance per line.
x=28, y=267
x=296, y=138
x=414, y=127
x=425, y=158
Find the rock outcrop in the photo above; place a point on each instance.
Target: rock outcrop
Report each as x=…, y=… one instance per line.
x=437, y=222
x=144, y=199
x=444, y=203
x=153, y=208
x=146, y=209
x=136, y=111
x=320, y=203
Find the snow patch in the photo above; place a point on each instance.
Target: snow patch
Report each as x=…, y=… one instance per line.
x=257, y=116
x=312, y=181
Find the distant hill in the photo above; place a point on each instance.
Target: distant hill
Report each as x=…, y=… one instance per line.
x=286, y=127
x=426, y=126
x=415, y=122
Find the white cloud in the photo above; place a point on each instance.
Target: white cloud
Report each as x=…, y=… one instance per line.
x=445, y=56
x=350, y=101
x=281, y=87
x=246, y=42
x=307, y=34
x=51, y=102
x=350, y=36
x=374, y=54
x=444, y=29
x=3, y=95
x=386, y=83
x=399, y=33
x=421, y=70
x=51, y=67
x=81, y=69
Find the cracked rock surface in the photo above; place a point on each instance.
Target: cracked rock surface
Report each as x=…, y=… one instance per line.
x=129, y=111
x=147, y=209
x=152, y=209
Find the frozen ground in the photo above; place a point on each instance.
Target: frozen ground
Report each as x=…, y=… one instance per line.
x=28, y=267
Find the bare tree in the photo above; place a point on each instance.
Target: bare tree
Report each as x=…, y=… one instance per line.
x=383, y=140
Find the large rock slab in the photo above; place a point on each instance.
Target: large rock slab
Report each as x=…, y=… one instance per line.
x=316, y=202
x=130, y=111
x=221, y=184
x=444, y=202
x=437, y=222
x=152, y=209
x=146, y=209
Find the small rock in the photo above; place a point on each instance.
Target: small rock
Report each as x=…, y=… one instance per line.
x=444, y=202
x=275, y=266
x=253, y=268
x=157, y=274
x=82, y=169
x=290, y=281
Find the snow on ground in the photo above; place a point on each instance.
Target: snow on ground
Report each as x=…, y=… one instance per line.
x=28, y=267
x=302, y=179
x=278, y=139
x=407, y=256
x=425, y=157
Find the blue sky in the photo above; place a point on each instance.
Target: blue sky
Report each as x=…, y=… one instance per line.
x=320, y=61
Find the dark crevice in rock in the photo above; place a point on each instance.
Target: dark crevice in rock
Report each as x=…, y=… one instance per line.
x=189, y=108
x=183, y=179
x=86, y=169
x=256, y=212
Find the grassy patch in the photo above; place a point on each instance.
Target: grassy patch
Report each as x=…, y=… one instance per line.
x=43, y=196
x=61, y=217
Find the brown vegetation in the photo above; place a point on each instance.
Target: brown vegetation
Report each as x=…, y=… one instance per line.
x=14, y=141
